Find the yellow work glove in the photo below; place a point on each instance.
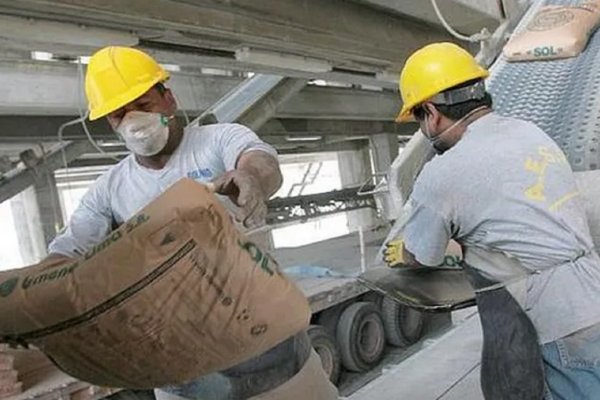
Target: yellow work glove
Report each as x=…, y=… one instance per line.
x=392, y=255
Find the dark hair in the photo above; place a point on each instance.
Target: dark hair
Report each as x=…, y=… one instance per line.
x=160, y=87
x=459, y=110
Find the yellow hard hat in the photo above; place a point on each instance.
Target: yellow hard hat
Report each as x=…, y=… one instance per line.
x=433, y=69
x=118, y=75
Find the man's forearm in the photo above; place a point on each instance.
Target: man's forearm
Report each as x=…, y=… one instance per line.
x=264, y=168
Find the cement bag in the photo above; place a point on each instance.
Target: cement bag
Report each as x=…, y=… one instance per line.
x=175, y=293
x=555, y=32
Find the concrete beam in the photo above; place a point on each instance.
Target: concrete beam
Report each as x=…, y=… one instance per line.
x=290, y=148
x=18, y=180
x=16, y=130
x=96, y=160
x=190, y=60
x=280, y=142
x=263, y=110
x=253, y=102
x=351, y=145
x=332, y=103
x=55, y=89
x=309, y=28
x=330, y=127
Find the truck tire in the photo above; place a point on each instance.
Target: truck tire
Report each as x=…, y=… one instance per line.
x=360, y=336
x=326, y=347
x=403, y=325
x=373, y=297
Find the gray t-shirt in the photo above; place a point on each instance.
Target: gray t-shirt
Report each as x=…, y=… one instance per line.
x=204, y=153
x=507, y=187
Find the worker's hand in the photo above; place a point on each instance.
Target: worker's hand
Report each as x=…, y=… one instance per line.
x=245, y=192
x=393, y=253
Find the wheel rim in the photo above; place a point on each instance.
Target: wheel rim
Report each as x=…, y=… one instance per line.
x=326, y=358
x=370, y=339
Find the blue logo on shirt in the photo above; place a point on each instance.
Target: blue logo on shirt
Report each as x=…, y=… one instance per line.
x=200, y=174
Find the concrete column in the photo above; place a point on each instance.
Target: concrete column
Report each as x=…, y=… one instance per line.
x=26, y=215
x=46, y=194
x=384, y=150
x=355, y=169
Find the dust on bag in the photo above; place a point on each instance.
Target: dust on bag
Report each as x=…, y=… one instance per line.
x=555, y=32
x=175, y=293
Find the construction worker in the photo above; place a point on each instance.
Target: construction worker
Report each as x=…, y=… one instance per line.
x=126, y=86
x=503, y=190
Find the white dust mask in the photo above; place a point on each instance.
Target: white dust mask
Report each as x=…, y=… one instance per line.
x=144, y=133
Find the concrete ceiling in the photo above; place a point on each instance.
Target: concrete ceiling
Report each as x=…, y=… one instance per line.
x=212, y=44
x=466, y=16
x=359, y=41
x=348, y=35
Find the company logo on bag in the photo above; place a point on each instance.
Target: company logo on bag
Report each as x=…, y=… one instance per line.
x=60, y=273
x=451, y=261
x=8, y=286
x=265, y=261
x=546, y=51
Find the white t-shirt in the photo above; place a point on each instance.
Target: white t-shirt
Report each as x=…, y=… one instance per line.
x=204, y=153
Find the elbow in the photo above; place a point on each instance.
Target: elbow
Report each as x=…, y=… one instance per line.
x=277, y=181
x=273, y=179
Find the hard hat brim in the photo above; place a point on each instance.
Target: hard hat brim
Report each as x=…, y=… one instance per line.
x=125, y=98
x=405, y=115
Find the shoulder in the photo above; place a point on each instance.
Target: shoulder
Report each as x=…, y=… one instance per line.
x=443, y=173
x=505, y=123
x=217, y=134
x=435, y=180
x=518, y=123
x=113, y=176
x=216, y=129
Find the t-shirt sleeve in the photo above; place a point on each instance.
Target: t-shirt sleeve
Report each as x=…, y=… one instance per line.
x=89, y=224
x=427, y=234
x=237, y=139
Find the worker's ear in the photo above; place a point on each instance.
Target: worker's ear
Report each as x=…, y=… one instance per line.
x=434, y=117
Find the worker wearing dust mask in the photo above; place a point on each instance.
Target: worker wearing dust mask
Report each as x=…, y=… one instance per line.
x=127, y=86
